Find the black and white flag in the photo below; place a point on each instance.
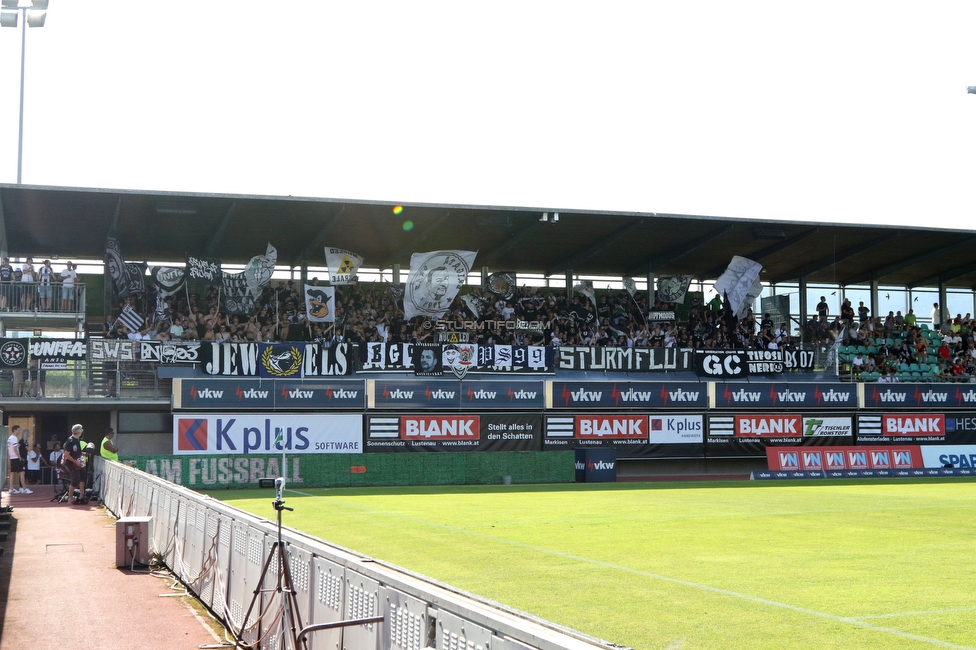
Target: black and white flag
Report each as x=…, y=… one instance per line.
x=672, y=288
x=131, y=319
x=167, y=279
x=434, y=281
x=242, y=290
x=502, y=284
x=129, y=278
x=203, y=270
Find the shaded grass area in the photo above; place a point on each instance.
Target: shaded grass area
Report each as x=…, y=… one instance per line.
x=881, y=564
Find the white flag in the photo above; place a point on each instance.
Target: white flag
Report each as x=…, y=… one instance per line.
x=586, y=288
x=320, y=304
x=630, y=286
x=739, y=282
x=434, y=281
x=343, y=265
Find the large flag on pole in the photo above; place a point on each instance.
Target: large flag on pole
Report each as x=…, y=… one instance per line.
x=320, y=304
x=343, y=265
x=586, y=288
x=434, y=281
x=204, y=270
x=672, y=288
x=740, y=282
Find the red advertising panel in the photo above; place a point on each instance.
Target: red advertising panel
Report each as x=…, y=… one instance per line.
x=769, y=426
x=611, y=427
x=840, y=458
x=923, y=424
x=440, y=427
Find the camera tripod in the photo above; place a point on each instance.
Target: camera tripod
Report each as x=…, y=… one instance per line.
x=288, y=615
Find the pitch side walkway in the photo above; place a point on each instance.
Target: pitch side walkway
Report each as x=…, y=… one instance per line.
x=60, y=589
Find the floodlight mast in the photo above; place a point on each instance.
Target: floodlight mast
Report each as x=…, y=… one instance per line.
x=34, y=14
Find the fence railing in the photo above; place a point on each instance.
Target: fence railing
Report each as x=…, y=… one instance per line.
x=219, y=552
x=17, y=297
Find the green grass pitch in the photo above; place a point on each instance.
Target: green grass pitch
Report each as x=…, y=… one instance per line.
x=873, y=564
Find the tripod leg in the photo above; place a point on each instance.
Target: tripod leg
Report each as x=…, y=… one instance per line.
x=254, y=599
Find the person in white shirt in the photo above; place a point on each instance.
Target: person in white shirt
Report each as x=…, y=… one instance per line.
x=68, y=277
x=34, y=464
x=16, y=462
x=27, y=285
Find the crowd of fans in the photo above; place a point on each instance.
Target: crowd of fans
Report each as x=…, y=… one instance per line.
x=889, y=346
x=531, y=316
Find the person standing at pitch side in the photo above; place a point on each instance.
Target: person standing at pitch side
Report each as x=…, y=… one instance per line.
x=71, y=457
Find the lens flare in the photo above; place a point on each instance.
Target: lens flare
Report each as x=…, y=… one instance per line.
x=408, y=225
x=397, y=209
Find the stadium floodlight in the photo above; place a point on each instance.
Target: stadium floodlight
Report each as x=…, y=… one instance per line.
x=35, y=15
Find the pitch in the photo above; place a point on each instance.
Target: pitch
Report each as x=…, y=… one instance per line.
x=879, y=564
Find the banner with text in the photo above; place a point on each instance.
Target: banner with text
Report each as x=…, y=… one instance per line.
x=277, y=394
x=785, y=396
x=625, y=359
x=267, y=433
x=633, y=435
x=748, y=435
x=454, y=432
x=916, y=396
x=628, y=395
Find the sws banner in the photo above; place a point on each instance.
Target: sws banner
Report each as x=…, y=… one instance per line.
x=782, y=395
x=454, y=432
x=625, y=359
x=628, y=395
x=278, y=394
x=268, y=433
x=914, y=396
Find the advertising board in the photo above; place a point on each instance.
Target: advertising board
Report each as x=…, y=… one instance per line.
x=267, y=433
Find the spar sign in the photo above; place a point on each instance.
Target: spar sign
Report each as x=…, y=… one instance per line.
x=271, y=433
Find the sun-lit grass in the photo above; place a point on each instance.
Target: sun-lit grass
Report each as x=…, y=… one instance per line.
x=683, y=565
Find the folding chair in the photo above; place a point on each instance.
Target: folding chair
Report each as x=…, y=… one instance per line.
x=62, y=486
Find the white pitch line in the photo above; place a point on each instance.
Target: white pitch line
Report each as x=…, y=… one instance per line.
x=925, y=613
x=685, y=583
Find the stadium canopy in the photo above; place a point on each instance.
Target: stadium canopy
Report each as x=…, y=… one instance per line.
x=164, y=226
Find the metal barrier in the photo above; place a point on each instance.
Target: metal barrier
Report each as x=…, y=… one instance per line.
x=345, y=600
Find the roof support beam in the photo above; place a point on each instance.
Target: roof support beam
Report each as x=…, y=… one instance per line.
x=765, y=252
x=318, y=241
x=3, y=231
x=510, y=243
x=882, y=271
x=211, y=246
x=411, y=246
x=828, y=260
x=945, y=276
x=679, y=252
x=595, y=249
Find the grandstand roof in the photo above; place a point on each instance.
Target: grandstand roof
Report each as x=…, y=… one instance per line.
x=164, y=226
